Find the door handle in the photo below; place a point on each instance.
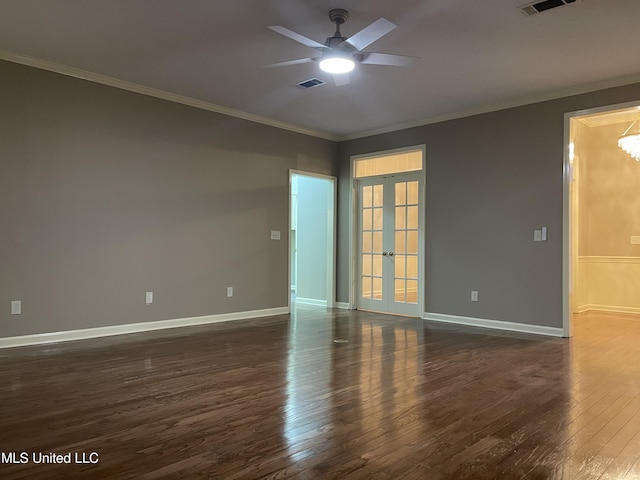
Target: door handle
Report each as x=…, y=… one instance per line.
x=384, y=254
x=391, y=254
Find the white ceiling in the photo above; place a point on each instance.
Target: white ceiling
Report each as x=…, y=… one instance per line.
x=476, y=55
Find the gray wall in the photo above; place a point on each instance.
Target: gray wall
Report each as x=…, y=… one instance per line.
x=491, y=180
x=313, y=231
x=105, y=194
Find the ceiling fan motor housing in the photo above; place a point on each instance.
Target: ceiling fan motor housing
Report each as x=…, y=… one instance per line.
x=338, y=16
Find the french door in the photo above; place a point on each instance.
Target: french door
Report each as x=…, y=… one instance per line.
x=389, y=239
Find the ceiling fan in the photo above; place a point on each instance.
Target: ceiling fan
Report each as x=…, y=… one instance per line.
x=339, y=54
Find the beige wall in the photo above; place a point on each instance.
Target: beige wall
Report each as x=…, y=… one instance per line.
x=105, y=194
x=613, y=198
x=608, y=276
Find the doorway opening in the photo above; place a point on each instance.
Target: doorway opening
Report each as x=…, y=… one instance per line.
x=601, y=220
x=387, y=235
x=312, y=199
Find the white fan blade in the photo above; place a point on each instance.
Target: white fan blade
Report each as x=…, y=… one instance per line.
x=297, y=37
x=290, y=62
x=370, y=34
x=389, y=59
x=341, y=79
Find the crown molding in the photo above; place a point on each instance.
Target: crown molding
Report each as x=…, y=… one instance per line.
x=154, y=92
x=192, y=102
x=553, y=95
x=627, y=115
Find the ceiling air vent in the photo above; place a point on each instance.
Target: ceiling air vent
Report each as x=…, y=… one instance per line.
x=539, y=7
x=312, y=82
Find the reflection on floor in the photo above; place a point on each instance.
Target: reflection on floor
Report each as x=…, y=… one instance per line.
x=278, y=398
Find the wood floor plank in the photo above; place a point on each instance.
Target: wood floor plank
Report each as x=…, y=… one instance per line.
x=277, y=398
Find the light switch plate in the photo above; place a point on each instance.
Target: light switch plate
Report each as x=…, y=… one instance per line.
x=275, y=234
x=543, y=235
x=537, y=235
x=474, y=295
x=148, y=298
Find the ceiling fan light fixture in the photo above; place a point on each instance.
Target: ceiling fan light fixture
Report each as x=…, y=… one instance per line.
x=337, y=65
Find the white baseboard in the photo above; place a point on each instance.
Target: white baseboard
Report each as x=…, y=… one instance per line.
x=609, y=308
x=343, y=305
x=86, y=333
x=495, y=324
x=310, y=301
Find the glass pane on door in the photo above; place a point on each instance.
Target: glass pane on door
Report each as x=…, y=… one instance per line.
x=372, y=218
x=405, y=246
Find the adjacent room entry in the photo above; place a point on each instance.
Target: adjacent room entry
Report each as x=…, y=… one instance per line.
x=390, y=232
x=312, y=238
x=602, y=227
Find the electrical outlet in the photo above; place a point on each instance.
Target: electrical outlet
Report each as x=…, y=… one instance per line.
x=474, y=295
x=635, y=240
x=16, y=307
x=229, y=291
x=275, y=234
x=148, y=298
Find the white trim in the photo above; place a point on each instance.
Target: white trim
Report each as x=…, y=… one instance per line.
x=567, y=233
x=157, y=93
x=86, y=333
x=310, y=301
x=528, y=100
x=596, y=259
x=342, y=305
x=609, y=308
x=353, y=235
x=494, y=324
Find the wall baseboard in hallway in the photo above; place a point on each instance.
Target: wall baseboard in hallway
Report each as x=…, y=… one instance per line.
x=608, y=309
x=310, y=301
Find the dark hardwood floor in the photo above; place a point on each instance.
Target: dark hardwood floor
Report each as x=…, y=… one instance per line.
x=278, y=398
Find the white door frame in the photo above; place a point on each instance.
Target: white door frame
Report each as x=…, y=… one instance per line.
x=331, y=254
x=567, y=233
x=353, y=223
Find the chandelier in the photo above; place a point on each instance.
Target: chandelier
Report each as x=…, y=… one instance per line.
x=630, y=142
